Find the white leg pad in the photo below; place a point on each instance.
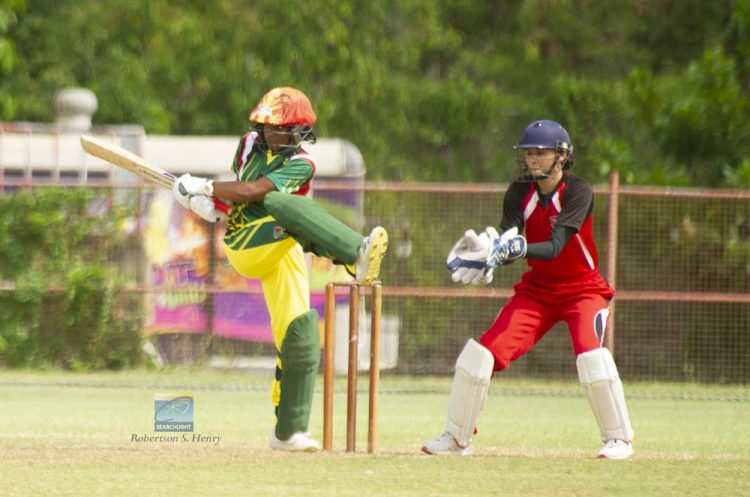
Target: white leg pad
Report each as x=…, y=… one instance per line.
x=600, y=380
x=470, y=386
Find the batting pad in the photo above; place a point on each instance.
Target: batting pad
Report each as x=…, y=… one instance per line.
x=300, y=356
x=471, y=384
x=313, y=227
x=600, y=380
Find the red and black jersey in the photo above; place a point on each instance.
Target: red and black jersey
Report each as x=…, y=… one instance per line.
x=571, y=205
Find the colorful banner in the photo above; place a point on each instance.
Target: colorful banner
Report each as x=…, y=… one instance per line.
x=178, y=248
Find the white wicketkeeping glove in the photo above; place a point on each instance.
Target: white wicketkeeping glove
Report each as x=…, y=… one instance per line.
x=205, y=208
x=186, y=186
x=468, y=257
x=504, y=249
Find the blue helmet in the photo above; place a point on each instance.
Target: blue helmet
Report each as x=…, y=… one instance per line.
x=546, y=134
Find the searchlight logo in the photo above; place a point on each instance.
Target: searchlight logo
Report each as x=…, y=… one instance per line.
x=173, y=412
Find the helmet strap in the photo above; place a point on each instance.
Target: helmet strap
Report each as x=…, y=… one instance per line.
x=546, y=175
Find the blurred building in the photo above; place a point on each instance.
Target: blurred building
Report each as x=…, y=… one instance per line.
x=43, y=152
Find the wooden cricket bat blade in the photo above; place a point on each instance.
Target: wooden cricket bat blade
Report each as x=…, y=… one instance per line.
x=136, y=164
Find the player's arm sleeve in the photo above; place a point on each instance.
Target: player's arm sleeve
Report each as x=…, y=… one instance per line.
x=578, y=203
x=512, y=213
x=294, y=175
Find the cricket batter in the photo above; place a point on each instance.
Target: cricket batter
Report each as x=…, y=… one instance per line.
x=552, y=208
x=270, y=225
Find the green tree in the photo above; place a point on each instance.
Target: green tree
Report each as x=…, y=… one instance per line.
x=427, y=90
x=8, y=54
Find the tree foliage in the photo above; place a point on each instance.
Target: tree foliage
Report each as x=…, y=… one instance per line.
x=427, y=90
x=66, y=310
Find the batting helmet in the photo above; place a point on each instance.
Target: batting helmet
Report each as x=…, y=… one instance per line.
x=284, y=106
x=287, y=108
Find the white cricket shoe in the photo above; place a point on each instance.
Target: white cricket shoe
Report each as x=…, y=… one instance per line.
x=446, y=445
x=371, y=252
x=616, y=449
x=298, y=442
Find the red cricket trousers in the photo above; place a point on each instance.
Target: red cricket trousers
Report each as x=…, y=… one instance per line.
x=532, y=311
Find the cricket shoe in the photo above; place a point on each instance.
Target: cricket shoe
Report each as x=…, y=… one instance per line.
x=616, y=449
x=370, y=255
x=298, y=442
x=446, y=445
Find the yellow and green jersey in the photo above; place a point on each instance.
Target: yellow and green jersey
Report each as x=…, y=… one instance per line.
x=250, y=224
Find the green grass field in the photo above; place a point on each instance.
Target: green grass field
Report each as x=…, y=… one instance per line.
x=71, y=434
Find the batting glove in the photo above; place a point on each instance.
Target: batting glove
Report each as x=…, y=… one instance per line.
x=205, y=208
x=186, y=186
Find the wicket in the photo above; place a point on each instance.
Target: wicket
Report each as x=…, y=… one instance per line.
x=351, y=406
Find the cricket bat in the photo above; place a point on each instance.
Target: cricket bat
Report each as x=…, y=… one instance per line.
x=135, y=164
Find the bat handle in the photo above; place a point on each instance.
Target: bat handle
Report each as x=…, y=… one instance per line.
x=222, y=206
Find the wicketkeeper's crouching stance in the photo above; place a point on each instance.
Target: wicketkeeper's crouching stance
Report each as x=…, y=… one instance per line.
x=553, y=208
x=270, y=226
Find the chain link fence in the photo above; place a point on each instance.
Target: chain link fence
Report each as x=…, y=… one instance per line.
x=679, y=260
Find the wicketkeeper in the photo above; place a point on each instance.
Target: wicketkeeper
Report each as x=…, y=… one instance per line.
x=546, y=220
x=270, y=225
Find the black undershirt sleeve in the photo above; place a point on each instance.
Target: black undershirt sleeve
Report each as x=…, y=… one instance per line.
x=512, y=213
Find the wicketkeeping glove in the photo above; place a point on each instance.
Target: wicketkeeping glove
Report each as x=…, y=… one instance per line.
x=505, y=249
x=468, y=257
